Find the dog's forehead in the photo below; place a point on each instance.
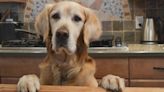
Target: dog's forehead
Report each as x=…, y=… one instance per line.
x=68, y=7
x=68, y=4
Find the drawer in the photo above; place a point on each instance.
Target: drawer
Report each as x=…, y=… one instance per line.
x=146, y=83
x=18, y=66
x=147, y=68
x=115, y=66
x=9, y=80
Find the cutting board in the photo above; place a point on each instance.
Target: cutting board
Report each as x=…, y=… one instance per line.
x=44, y=88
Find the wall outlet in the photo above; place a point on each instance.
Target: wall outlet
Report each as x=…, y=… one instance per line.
x=139, y=22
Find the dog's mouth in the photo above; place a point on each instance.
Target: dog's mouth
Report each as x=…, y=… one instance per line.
x=61, y=45
x=62, y=48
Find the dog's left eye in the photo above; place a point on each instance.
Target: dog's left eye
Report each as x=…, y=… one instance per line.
x=76, y=18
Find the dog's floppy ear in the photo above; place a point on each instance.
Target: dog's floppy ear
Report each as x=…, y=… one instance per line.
x=92, y=27
x=42, y=23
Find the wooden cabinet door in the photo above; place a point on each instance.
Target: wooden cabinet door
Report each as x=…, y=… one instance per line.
x=147, y=72
x=12, y=68
x=147, y=68
x=113, y=65
x=18, y=66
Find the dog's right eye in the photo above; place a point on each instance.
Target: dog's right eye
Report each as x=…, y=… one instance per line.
x=56, y=16
x=76, y=18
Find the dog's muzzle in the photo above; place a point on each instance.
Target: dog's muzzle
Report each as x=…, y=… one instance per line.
x=62, y=36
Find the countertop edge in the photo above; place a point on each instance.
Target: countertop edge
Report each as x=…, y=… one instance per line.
x=42, y=51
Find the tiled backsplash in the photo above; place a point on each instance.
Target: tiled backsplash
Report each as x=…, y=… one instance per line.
x=126, y=28
x=121, y=27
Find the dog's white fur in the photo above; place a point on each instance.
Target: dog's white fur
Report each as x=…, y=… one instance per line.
x=92, y=31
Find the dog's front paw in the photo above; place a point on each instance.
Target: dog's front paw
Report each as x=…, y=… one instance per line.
x=113, y=83
x=28, y=83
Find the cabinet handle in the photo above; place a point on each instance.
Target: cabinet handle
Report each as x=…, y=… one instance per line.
x=158, y=68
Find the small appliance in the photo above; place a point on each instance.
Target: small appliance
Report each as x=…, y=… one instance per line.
x=149, y=33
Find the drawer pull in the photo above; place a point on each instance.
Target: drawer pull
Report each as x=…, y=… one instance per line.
x=158, y=68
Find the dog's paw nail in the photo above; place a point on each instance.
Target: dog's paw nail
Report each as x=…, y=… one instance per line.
x=114, y=83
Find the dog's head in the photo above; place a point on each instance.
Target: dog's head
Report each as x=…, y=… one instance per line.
x=62, y=24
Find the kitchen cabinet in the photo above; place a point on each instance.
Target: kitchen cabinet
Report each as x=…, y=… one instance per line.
x=137, y=71
x=147, y=71
x=12, y=68
x=112, y=65
x=115, y=66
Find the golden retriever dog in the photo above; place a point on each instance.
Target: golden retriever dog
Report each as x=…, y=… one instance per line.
x=67, y=28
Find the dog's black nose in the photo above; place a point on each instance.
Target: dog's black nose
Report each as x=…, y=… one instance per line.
x=62, y=35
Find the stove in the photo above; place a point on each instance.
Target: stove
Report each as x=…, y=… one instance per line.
x=23, y=43
x=102, y=43
x=40, y=43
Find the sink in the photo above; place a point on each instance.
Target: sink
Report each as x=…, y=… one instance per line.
x=161, y=46
x=108, y=49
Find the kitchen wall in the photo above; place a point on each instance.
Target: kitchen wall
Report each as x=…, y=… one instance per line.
x=125, y=28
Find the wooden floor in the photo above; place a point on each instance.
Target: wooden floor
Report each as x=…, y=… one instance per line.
x=44, y=88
